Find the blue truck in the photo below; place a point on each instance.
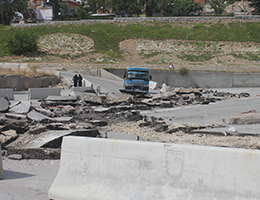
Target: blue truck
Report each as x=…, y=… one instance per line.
x=136, y=80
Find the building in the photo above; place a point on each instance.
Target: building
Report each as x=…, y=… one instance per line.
x=72, y=4
x=201, y=2
x=40, y=10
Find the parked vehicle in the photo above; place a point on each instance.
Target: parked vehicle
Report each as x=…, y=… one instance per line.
x=136, y=80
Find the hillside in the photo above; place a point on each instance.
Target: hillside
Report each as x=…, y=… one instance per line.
x=181, y=43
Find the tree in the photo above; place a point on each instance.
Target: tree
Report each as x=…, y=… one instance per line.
x=126, y=6
x=21, y=42
x=82, y=11
x=152, y=6
x=218, y=6
x=99, y=5
x=181, y=8
x=255, y=4
x=8, y=7
x=60, y=9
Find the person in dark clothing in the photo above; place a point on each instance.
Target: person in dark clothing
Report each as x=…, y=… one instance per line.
x=80, y=80
x=75, y=80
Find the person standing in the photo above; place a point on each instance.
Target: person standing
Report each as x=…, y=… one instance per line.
x=80, y=80
x=171, y=66
x=75, y=80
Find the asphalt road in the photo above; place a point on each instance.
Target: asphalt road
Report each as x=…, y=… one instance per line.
x=214, y=113
x=27, y=179
x=106, y=85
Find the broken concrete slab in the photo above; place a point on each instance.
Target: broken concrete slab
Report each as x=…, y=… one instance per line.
x=42, y=93
x=68, y=108
x=121, y=136
x=119, y=98
x=186, y=90
x=168, y=95
x=37, y=129
x=188, y=127
x=244, y=118
x=37, y=153
x=36, y=104
x=35, y=116
x=22, y=108
x=15, y=156
x=4, y=104
x=240, y=130
x=14, y=103
x=61, y=98
x=98, y=122
x=101, y=109
x=62, y=119
x=53, y=139
x=90, y=98
x=9, y=93
x=181, y=102
x=56, y=126
x=8, y=136
x=45, y=112
x=15, y=116
x=75, y=91
x=1, y=165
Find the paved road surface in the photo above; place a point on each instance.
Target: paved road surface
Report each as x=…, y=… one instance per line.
x=105, y=84
x=27, y=179
x=214, y=112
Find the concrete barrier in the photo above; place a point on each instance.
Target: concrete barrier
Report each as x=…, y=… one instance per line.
x=1, y=166
x=42, y=93
x=86, y=83
x=78, y=90
x=94, y=168
x=201, y=79
x=9, y=93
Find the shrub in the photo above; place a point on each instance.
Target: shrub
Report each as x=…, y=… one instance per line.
x=21, y=42
x=183, y=71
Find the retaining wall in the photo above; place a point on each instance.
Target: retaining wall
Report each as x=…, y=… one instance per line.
x=141, y=19
x=201, y=79
x=95, y=168
x=19, y=83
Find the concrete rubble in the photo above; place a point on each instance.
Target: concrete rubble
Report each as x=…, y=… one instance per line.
x=34, y=129
x=4, y=104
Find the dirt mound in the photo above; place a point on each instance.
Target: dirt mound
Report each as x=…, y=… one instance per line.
x=62, y=43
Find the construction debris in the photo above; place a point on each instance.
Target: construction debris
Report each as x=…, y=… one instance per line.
x=31, y=129
x=4, y=104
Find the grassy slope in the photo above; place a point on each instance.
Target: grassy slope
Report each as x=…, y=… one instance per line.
x=107, y=36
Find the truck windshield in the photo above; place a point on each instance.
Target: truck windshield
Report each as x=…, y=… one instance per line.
x=137, y=75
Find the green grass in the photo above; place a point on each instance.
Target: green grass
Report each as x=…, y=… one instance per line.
x=195, y=58
x=107, y=36
x=248, y=56
x=149, y=55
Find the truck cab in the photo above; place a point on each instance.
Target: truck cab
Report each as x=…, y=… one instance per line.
x=136, y=80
